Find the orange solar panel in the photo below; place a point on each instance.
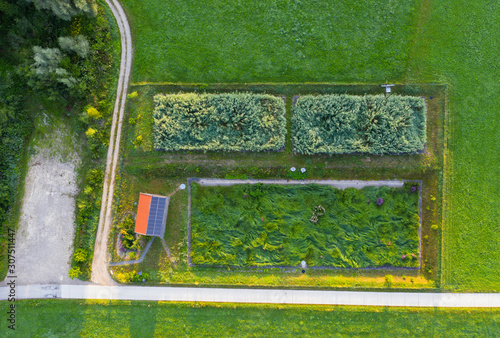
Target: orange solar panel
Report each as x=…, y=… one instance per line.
x=141, y=221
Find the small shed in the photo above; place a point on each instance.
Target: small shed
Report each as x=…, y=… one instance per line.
x=151, y=215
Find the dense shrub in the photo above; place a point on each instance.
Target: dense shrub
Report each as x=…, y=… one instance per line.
x=230, y=122
x=274, y=225
x=87, y=218
x=15, y=127
x=372, y=124
x=128, y=237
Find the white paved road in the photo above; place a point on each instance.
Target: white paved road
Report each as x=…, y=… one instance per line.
x=268, y=296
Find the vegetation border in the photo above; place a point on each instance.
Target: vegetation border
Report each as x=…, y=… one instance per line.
x=444, y=189
x=289, y=182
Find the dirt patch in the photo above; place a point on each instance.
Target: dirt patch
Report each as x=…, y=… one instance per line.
x=45, y=235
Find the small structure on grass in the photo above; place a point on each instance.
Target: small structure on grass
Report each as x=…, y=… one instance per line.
x=151, y=215
x=388, y=88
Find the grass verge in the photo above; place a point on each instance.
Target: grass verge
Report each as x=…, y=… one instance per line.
x=128, y=318
x=456, y=42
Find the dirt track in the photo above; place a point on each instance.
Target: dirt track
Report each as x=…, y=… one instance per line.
x=100, y=274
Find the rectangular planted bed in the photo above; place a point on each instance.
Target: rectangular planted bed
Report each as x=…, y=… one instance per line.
x=211, y=122
x=248, y=225
x=347, y=124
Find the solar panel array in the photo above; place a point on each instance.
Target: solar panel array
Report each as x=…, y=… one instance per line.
x=156, y=221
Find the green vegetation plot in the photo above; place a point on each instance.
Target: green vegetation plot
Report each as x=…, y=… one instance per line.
x=373, y=124
x=274, y=225
x=231, y=122
x=224, y=41
x=123, y=318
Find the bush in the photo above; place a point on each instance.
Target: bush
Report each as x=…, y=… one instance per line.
x=74, y=273
x=131, y=276
x=229, y=122
x=127, y=231
x=90, y=132
x=87, y=218
x=15, y=127
x=138, y=140
x=80, y=255
x=88, y=190
x=344, y=124
x=132, y=95
x=389, y=280
x=93, y=113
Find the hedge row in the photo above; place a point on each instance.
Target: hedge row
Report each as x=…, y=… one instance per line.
x=371, y=124
x=229, y=122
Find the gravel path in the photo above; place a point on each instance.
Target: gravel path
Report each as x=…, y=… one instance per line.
x=100, y=274
x=334, y=183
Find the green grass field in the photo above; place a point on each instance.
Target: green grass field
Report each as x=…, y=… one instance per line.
x=457, y=43
x=447, y=41
x=70, y=318
x=226, y=41
x=272, y=225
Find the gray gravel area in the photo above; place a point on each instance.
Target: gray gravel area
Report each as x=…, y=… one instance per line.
x=44, y=239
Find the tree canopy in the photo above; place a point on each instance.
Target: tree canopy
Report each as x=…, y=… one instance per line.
x=67, y=9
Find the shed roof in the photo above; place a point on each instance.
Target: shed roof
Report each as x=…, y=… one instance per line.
x=151, y=215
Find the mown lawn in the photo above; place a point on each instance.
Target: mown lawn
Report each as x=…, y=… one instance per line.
x=61, y=318
x=270, y=41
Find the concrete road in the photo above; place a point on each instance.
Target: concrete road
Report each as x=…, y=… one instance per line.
x=267, y=296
